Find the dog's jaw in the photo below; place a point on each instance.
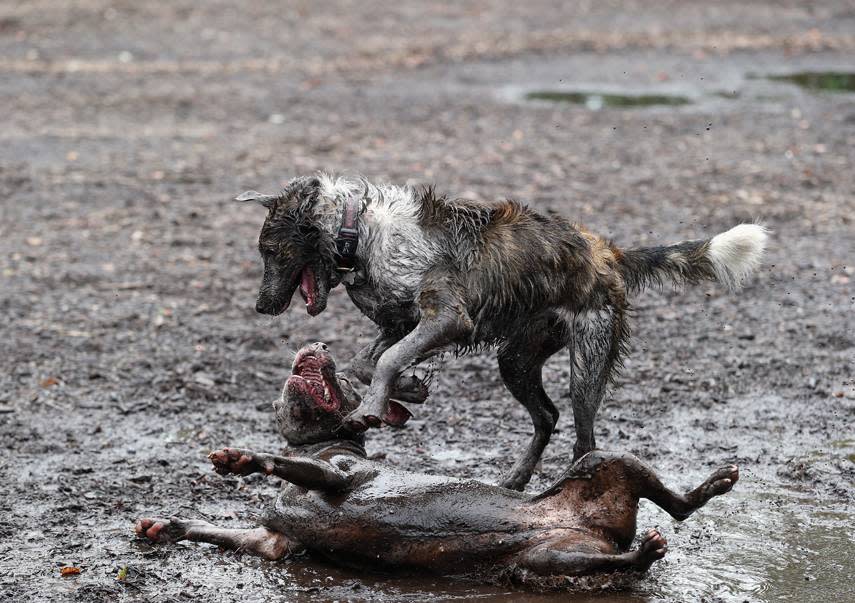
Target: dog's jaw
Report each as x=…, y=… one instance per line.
x=309, y=290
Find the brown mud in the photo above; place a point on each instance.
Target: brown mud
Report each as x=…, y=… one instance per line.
x=129, y=345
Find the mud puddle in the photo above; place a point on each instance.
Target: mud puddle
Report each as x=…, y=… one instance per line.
x=819, y=81
x=601, y=100
x=766, y=545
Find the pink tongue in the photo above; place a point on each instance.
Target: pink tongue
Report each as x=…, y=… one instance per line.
x=307, y=286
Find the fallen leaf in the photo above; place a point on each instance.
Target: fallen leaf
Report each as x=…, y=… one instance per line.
x=123, y=573
x=69, y=571
x=49, y=382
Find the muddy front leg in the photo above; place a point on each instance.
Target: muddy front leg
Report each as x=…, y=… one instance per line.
x=362, y=365
x=307, y=472
x=443, y=320
x=408, y=389
x=258, y=541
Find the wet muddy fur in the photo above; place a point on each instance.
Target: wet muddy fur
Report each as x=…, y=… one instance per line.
x=582, y=525
x=361, y=513
x=436, y=272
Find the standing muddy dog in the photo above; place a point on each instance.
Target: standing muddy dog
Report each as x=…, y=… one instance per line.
x=433, y=272
x=362, y=513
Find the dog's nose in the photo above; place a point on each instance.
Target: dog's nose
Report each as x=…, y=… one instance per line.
x=260, y=307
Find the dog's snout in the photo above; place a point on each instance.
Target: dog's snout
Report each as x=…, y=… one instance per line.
x=320, y=347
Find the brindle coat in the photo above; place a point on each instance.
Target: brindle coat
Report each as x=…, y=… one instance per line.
x=362, y=513
x=436, y=272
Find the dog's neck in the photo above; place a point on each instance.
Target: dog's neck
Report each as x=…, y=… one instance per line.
x=383, y=209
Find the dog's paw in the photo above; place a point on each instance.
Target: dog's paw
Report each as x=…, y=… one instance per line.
x=163, y=531
x=397, y=415
x=720, y=482
x=239, y=462
x=365, y=416
x=653, y=548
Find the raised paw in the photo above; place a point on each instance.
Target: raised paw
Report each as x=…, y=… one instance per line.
x=397, y=414
x=365, y=416
x=240, y=462
x=720, y=482
x=162, y=531
x=653, y=548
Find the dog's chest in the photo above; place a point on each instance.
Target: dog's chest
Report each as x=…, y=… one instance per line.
x=395, y=259
x=389, y=311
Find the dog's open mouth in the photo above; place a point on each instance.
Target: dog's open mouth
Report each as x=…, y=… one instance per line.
x=309, y=288
x=313, y=377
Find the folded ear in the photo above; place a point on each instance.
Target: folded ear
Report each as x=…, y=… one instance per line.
x=265, y=200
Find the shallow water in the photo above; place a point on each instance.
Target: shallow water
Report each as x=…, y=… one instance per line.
x=600, y=100
x=765, y=546
x=825, y=81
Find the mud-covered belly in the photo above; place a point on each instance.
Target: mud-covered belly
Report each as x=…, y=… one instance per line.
x=441, y=527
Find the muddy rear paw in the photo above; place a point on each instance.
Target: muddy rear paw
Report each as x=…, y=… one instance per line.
x=163, y=531
x=240, y=462
x=653, y=548
x=720, y=482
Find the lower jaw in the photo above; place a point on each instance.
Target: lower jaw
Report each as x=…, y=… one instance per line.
x=315, y=305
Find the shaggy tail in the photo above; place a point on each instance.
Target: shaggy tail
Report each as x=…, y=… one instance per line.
x=729, y=258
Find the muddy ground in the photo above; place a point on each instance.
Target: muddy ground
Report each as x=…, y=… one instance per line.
x=129, y=346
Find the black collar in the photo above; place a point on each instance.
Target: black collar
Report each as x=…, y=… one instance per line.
x=347, y=239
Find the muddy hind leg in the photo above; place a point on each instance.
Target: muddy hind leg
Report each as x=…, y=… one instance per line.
x=644, y=483
x=680, y=506
x=556, y=560
x=520, y=364
x=596, y=346
x=257, y=541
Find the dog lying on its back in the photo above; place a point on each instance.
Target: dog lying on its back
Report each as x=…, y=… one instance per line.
x=358, y=512
x=433, y=272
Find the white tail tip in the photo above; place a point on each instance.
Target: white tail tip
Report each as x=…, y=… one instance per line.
x=737, y=253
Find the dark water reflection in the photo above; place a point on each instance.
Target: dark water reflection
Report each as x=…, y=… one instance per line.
x=597, y=100
x=825, y=81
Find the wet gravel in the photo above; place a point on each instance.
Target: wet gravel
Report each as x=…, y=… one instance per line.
x=129, y=346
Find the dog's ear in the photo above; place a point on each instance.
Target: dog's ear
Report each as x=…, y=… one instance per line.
x=264, y=200
x=306, y=190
